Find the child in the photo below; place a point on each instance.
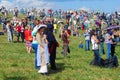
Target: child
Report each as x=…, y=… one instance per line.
x=28, y=38
x=81, y=44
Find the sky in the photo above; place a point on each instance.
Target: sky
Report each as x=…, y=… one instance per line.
x=102, y=5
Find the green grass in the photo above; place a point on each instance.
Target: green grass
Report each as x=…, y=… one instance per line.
x=17, y=64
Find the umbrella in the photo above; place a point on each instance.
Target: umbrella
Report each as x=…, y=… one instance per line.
x=112, y=27
x=60, y=22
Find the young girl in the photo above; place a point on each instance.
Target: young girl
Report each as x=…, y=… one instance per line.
x=95, y=48
x=28, y=38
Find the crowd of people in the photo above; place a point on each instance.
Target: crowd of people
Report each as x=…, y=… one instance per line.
x=38, y=27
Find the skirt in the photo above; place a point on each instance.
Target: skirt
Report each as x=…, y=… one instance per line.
x=28, y=43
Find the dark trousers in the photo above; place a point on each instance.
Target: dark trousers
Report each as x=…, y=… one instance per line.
x=112, y=49
x=52, y=58
x=18, y=35
x=97, y=56
x=22, y=36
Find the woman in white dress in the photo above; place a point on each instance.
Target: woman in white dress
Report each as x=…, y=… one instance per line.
x=43, y=49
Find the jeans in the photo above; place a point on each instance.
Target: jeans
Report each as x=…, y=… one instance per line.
x=35, y=46
x=10, y=39
x=117, y=39
x=18, y=35
x=108, y=50
x=87, y=45
x=97, y=56
x=102, y=47
x=4, y=27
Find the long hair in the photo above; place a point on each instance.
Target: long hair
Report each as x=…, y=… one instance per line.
x=92, y=33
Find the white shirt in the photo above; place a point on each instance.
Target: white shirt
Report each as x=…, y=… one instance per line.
x=94, y=44
x=107, y=38
x=87, y=36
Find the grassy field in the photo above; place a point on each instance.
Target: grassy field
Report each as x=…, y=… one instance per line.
x=17, y=64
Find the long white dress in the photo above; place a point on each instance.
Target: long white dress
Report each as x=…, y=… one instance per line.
x=44, y=55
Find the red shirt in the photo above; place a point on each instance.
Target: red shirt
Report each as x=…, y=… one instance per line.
x=27, y=34
x=18, y=28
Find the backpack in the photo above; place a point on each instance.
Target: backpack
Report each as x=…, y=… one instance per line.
x=1, y=33
x=113, y=62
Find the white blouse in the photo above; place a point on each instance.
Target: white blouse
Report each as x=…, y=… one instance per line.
x=94, y=44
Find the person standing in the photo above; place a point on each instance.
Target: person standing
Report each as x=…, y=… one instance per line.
x=28, y=38
x=52, y=46
x=65, y=42
x=22, y=32
x=87, y=40
x=18, y=31
x=9, y=31
x=43, y=49
x=113, y=43
x=108, y=40
x=95, y=47
x=35, y=46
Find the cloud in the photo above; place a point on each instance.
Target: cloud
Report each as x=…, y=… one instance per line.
x=27, y=4
x=6, y=3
